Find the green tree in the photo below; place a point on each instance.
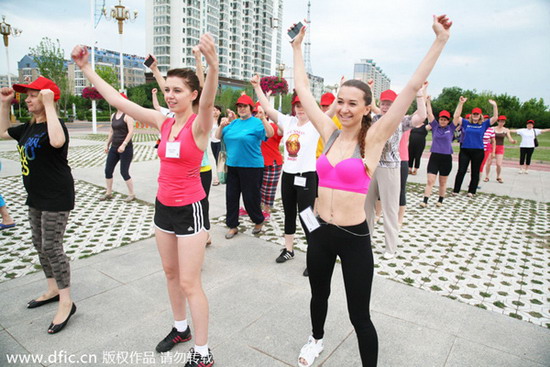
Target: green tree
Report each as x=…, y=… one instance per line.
x=49, y=57
x=109, y=75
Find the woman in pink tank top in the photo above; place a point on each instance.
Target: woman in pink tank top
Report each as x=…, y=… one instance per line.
x=338, y=227
x=180, y=234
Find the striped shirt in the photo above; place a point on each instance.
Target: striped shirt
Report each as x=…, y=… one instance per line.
x=487, y=136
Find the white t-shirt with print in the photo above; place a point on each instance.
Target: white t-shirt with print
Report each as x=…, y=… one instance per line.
x=300, y=143
x=528, y=137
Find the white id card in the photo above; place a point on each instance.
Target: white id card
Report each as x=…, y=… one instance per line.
x=172, y=149
x=299, y=181
x=309, y=219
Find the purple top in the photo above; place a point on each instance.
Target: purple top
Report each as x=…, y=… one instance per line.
x=442, y=137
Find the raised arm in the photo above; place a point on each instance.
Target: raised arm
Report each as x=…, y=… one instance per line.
x=269, y=132
x=374, y=108
x=223, y=123
x=544, y=131
x=429, y=110
x=203, y=125
x=457, y=117
x=420, y=114
x=391, y=120
x=198, y=64
x=156, y=104
x=269, y=110
x=55, y=131
x=320, y=120
x=156, y=73
x=150, y=117
x=6, y=96
x=494, y=118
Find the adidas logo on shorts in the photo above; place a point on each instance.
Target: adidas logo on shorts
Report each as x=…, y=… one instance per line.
x=190, y=228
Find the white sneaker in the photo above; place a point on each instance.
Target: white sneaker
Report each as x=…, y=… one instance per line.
x=388, y=255
x=310, y=351
x=423, y=205
x=520, y=171
x=525, y=172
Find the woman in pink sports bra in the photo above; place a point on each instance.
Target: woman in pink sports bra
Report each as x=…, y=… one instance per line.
x=180, y=233
x=345, y=167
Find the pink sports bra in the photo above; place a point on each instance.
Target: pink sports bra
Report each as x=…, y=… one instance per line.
x=348, y=175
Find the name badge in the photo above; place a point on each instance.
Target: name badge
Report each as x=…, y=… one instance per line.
x=309, y=219
x=299, y=181
x=173, y=149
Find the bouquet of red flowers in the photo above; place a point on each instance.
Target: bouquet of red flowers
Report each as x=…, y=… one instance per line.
x=274, y=84
x=91, y=93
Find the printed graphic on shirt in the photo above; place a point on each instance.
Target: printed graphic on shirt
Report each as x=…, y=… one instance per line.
x=27, y=152
x=293, y=145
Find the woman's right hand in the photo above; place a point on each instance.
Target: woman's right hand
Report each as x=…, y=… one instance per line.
x=255, y=81
x=297, y=41
x=224, y=122
x=80, y=55
x=462, y=99
x=154, y=91
x=6, y=95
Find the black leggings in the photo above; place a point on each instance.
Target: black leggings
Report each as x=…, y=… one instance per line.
x=125, y=159
x=246, y=181
x=416, y=148
x=525, y=156
x=464, y=157
x=216, y=147
x=206, y=180
x=297, y=198
x=403, y=190
x=355, y=253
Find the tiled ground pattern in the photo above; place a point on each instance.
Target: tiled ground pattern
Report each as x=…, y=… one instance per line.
x=94, y=155
x=93, y=226
x=492, y=251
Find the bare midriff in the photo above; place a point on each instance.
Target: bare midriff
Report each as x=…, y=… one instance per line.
x=343, y=208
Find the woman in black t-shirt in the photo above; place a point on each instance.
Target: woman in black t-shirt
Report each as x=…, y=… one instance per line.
x=43, y=144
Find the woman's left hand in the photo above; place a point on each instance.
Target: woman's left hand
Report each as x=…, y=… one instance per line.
x=442, y=26
x=121, y=148
x=492, y=102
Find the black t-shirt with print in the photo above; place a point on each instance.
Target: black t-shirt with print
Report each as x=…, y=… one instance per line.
x=46, y=173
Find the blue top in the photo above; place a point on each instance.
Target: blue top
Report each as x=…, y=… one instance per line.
x=442, y=138
x=243, y=139
x=473, y=134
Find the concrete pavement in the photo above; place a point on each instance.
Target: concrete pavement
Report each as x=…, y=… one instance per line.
x=259, y=310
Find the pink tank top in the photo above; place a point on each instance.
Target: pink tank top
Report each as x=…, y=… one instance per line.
x=404, y=146
x=179, y=178
x=348, y=175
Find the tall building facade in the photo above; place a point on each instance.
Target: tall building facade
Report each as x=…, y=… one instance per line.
x=366, y=69
x=243, y=30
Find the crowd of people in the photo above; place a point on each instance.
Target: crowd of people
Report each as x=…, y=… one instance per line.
x=340, y=158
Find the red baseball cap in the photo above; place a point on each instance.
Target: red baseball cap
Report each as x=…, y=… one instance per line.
x=477, y=110
x=124, y=95
x=244, y=99
x=530, y=122
x=256, y=106
x=467, y=115
x=297, y=100
x=445, y=113
x=502, y=117
x=388, y=95
x=327, y=99
x=485, y=116
x=39, y=84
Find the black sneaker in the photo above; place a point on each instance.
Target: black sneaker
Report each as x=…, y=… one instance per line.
x=194, y=359
x=285, y=255
x=173, y=338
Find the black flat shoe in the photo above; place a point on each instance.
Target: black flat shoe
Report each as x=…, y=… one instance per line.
x=35, y=303
x=58, y=327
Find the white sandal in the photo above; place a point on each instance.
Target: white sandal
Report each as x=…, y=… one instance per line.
x=310, y=351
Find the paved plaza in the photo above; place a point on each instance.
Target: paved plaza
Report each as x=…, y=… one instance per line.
x=470, y=287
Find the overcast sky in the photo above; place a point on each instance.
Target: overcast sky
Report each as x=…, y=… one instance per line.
x=497, y=45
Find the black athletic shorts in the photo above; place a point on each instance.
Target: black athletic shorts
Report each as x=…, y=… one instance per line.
x=440, y=163
x=182, y=221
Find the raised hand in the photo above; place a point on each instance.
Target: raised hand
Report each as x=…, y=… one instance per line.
x=224, y=122
x=6, y=95
x=80, y=55
x=155, y=63
x=46, y=96
x=492, y=102
x=429, y=98
x=370, y=83
x=297, y=41
x=255, y=81
x=462, y=100
x=154, y=91
x=442, y=26
x=208, y=48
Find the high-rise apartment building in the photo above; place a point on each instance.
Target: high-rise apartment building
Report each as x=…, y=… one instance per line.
x=366, y=69
x=243, y=29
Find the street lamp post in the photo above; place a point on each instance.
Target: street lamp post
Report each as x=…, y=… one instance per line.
x=7, y=30
x=121, y=14
x=281, y=69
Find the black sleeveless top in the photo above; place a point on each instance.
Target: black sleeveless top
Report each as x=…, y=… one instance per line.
x=120, y=131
